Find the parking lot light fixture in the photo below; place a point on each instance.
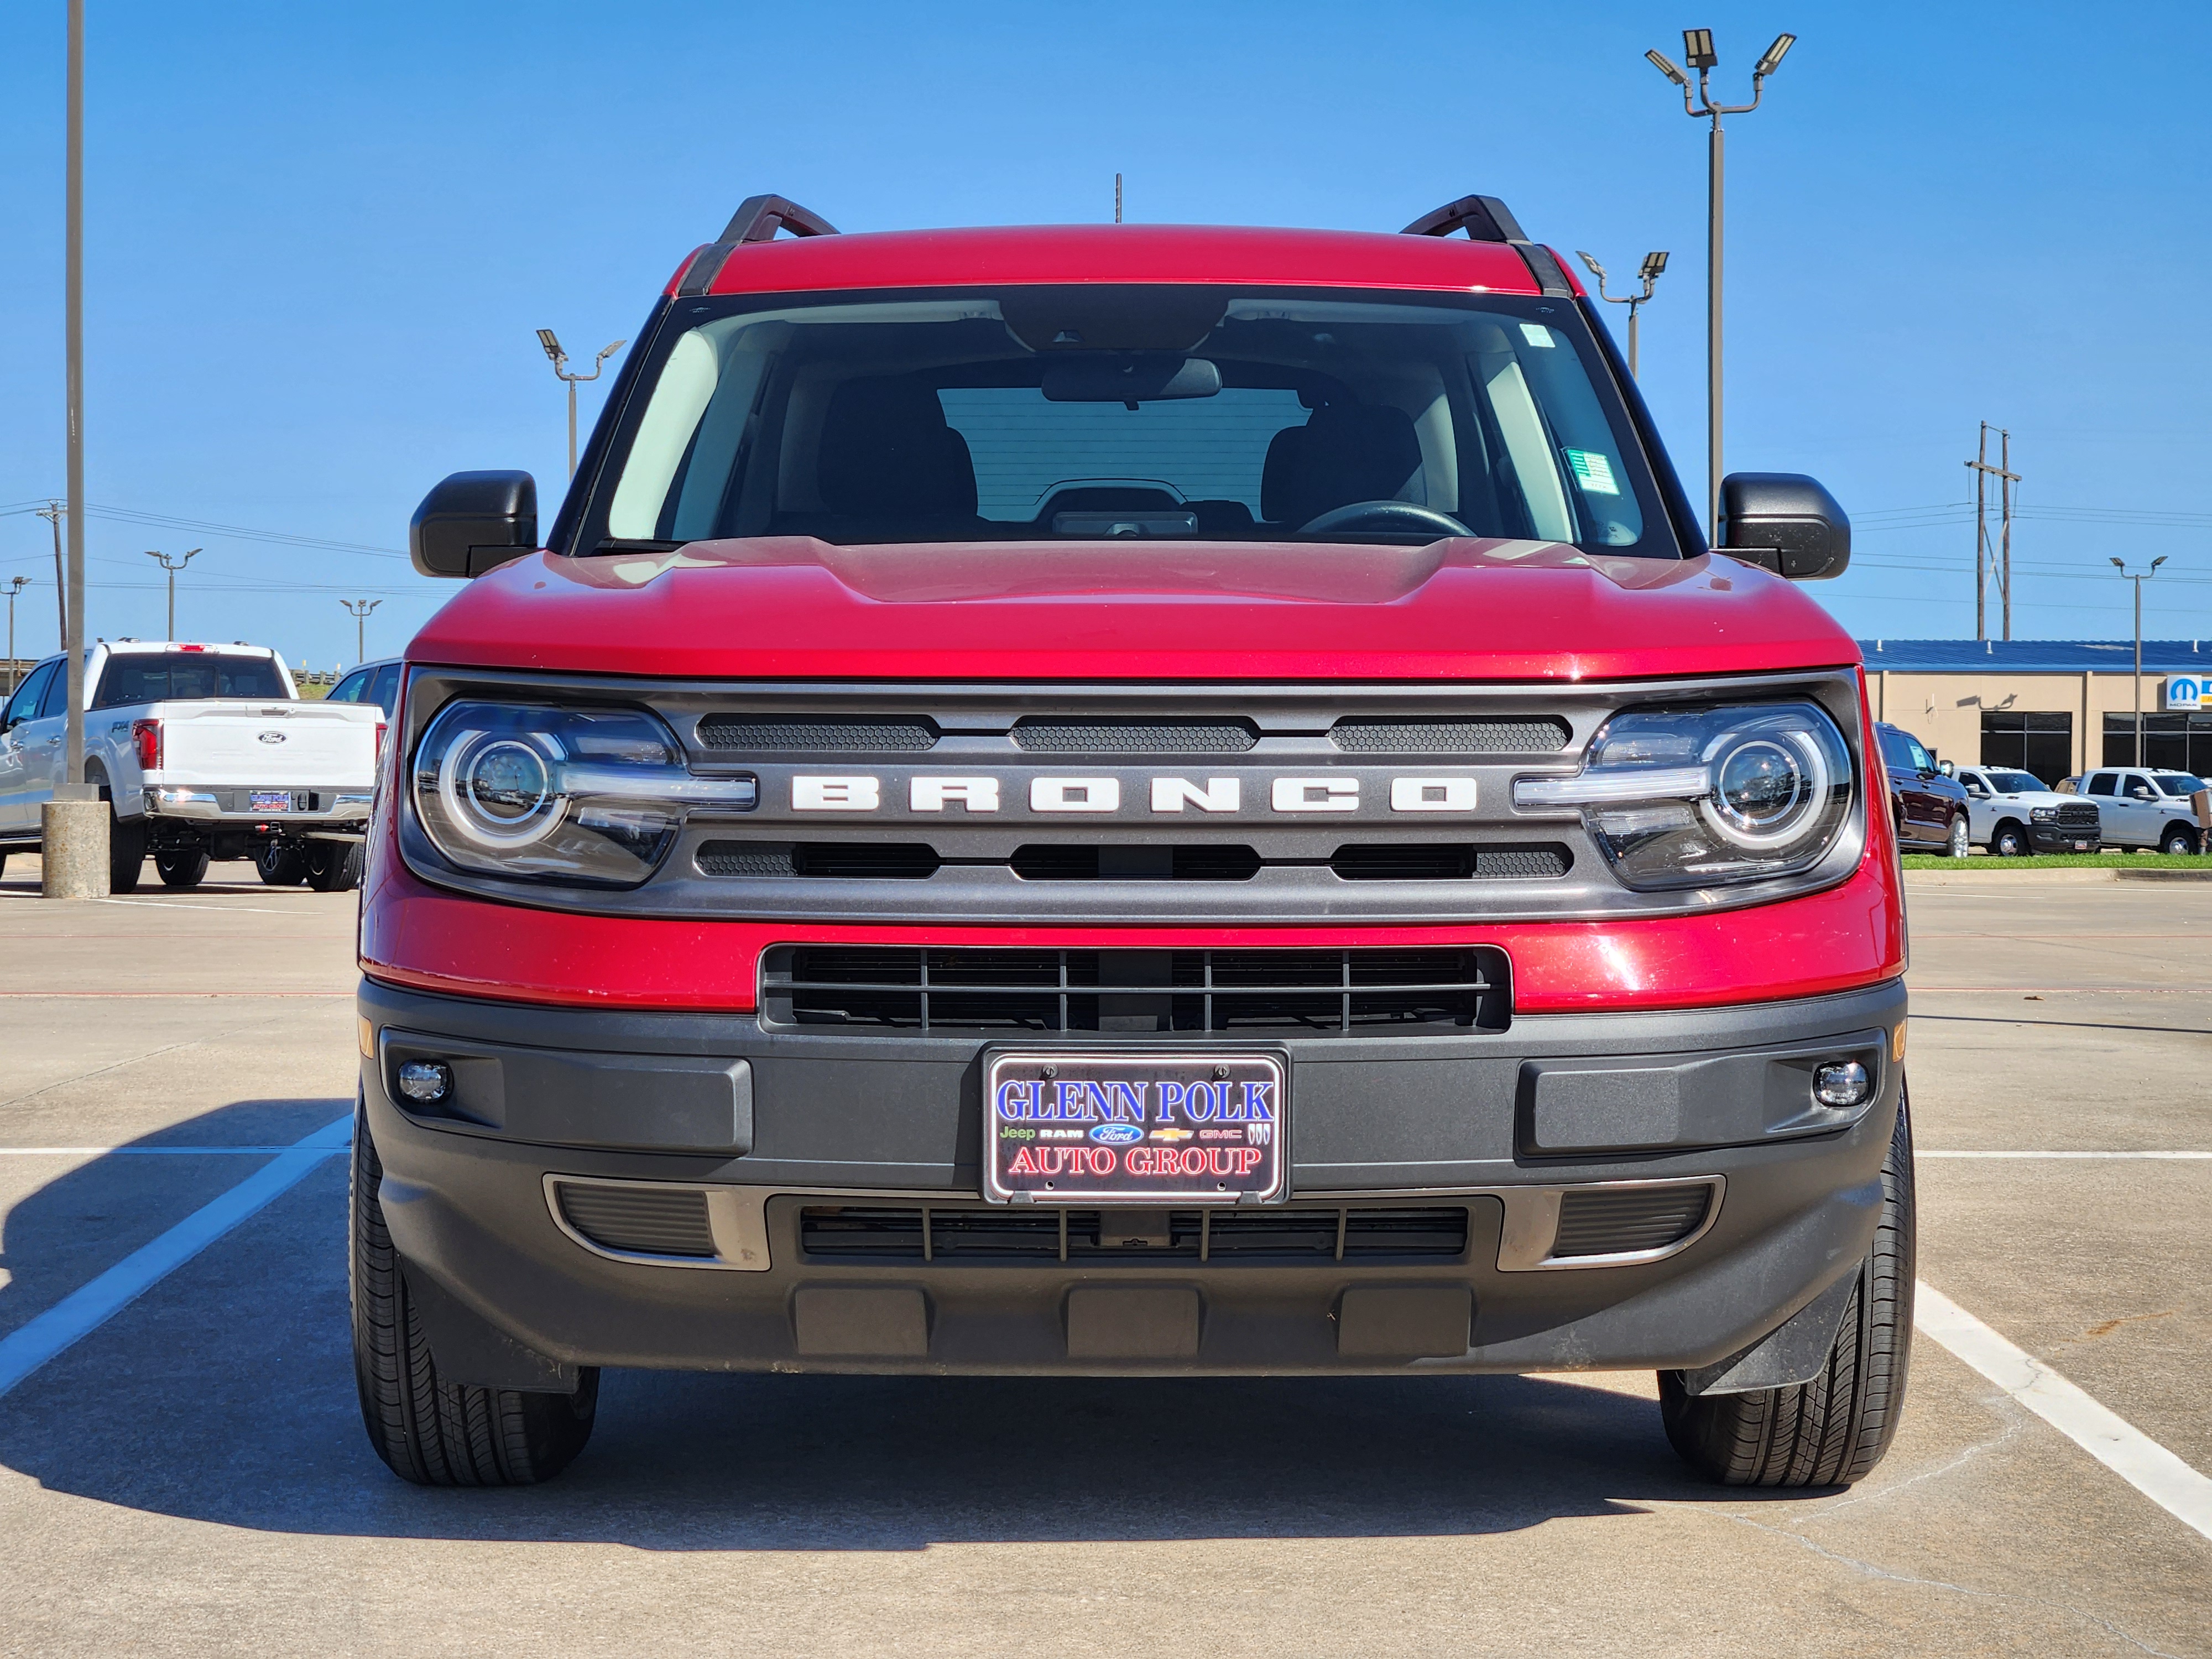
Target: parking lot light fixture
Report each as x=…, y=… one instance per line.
x=551, y=344
x=1665, y=65
x=14, y=587
x=2121, y=565
x=1654, y=264
x=162, y=559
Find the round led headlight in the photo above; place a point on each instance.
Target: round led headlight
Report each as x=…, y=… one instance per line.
x=498, y=790
x=1769, y=785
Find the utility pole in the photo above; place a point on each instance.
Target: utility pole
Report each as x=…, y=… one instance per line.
x=359, y=610
x=1988, y=562
x=14, y=587
x=2138, y=581
x=163, y=559
x=53, y=512
x=1698, y=49
x=560, y=360
x=1117, y=198
x=1653, y=265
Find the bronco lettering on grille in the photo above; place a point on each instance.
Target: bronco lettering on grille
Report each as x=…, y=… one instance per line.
x=861, y=793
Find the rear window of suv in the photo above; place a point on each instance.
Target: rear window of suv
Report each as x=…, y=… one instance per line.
x=1113, y=410
x=181, y=677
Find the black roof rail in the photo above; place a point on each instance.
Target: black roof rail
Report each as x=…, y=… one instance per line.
x=756, y=219
x=1486, y=219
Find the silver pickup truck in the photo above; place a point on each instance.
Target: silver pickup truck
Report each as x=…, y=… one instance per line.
x=204, y=752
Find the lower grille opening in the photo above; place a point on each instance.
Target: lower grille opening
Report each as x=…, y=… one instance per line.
x=1448, y=861
x=847, y=860
x=966, y=1235
x=1346, y=992
x=1047, y=861
x=639, y=1221
x=1618, y=1221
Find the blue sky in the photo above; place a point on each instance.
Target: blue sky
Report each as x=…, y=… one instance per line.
x=320, y=239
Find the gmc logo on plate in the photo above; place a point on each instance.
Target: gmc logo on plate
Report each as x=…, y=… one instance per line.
x=981, y=793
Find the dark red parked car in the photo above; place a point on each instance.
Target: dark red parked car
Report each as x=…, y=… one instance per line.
x=1132, y=801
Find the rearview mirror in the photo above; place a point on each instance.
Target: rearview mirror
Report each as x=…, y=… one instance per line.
x=472, y=522
x=1786, y=522
x=1128, y=376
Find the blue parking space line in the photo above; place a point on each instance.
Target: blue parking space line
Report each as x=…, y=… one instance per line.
x=86, y=1309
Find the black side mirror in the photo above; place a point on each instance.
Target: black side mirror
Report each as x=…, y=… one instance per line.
x=472, y=522
x=1785, y=521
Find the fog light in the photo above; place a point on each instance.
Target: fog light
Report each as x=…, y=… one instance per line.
x=426, y=1082
x=1839, y=1083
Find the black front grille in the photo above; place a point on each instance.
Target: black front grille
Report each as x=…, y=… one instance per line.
x=1614, y=1221
x=847, y=860
x=640, y=1220
x=1047, y=861
x=820, y=734
x=889, y=990
x=1382, y=735
x=2078, y=815
x=966, y=1235
x=1109, y=735
x=1448, y=861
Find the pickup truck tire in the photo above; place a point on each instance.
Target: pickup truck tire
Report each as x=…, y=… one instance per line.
x=430, y=1431
x=334, y=867
x=2179, y=838
x=2010, y=842
x=281, y=865
x=126, y=846
x=185, y=869
x=1832, y=1431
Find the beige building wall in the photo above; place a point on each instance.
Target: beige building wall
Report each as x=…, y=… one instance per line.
x=1944, y=711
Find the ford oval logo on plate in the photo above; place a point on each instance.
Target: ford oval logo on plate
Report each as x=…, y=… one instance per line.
x=272, y=737
x=1117, y=1135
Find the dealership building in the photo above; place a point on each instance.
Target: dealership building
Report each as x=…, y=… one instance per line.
x=2054, y=707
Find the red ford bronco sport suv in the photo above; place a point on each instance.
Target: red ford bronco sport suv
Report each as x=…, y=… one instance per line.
x=1143, y=801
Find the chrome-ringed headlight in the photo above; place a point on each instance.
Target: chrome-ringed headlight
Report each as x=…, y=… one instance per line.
x=1709, y=797
x=589, y=797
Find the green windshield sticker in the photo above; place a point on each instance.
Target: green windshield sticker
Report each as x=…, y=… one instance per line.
x=1593, y=471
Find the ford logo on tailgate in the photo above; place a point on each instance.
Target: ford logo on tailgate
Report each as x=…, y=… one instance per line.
x=1117, y=1135
x=272, y=737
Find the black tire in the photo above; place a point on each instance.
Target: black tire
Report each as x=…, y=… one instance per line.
x=2179, y=839
x=334, y=867
x=126, y=845
x=2010, y=842
x=430, y=1431
x=280, y=865
x=184, y=869
x=1832, y=1431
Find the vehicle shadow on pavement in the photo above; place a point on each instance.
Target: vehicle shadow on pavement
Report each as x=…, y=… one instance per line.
x=226, y=1395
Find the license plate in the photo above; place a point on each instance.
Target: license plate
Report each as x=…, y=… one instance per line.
x=2081, y=846
x=270, y=800
x=1135, y=1129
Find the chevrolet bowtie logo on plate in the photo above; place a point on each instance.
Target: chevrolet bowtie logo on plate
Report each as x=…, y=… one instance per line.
x=272, y=737
x=985, y=792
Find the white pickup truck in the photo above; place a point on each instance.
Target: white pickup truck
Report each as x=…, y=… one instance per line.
x=203, y=751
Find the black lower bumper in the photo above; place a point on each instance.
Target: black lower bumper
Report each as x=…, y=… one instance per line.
x=2056, y=838
x=1587, y=1191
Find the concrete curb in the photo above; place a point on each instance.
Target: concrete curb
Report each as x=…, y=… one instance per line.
x=1971, y=877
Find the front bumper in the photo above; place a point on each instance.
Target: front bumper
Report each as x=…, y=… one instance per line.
x=768, y=1124
x=2060, y=838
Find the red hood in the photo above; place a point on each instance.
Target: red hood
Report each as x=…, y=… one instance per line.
x=794, y=607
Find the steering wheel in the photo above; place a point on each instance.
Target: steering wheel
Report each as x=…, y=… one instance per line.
x=1384, y=515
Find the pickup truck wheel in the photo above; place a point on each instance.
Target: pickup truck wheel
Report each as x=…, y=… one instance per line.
x=2179, y=838
x=2010, y=842
x=431, y=1431
x=1832, y=1431
x=334, y=867
x=184, y=869
x=281, y=865
x=126, y=850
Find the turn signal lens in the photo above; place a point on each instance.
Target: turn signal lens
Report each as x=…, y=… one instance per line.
x=146, y=737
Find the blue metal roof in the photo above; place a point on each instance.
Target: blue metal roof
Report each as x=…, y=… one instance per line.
x=2036, y=656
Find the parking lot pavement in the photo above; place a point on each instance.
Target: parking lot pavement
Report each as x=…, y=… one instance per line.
x=191, y=1477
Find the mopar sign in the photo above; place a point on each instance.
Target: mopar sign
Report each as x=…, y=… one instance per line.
x=2187, y=690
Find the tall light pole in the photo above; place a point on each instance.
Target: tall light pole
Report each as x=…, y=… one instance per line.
x=359, y=610
x=1654, y=264
x=162, y=559
x=72, y=778
x=1698, y=48
x=2138, y=581
x=560, y=360
x=14, y=587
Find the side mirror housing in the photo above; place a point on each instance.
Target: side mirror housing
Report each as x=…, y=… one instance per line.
x=1785, y=521
x=472, y=522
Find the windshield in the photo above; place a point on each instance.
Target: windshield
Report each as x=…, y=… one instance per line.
x=2179, y=785
x=181, y=678
x=2015, y=783
x=1107, y=410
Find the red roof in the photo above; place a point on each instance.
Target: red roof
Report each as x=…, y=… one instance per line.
x=1123, y=253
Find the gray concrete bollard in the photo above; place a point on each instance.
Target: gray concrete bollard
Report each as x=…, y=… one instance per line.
x=73, y=848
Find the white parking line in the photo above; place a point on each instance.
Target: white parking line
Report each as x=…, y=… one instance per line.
x=1920, y=1154
x=2107, y=1435
x=85, y=1310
